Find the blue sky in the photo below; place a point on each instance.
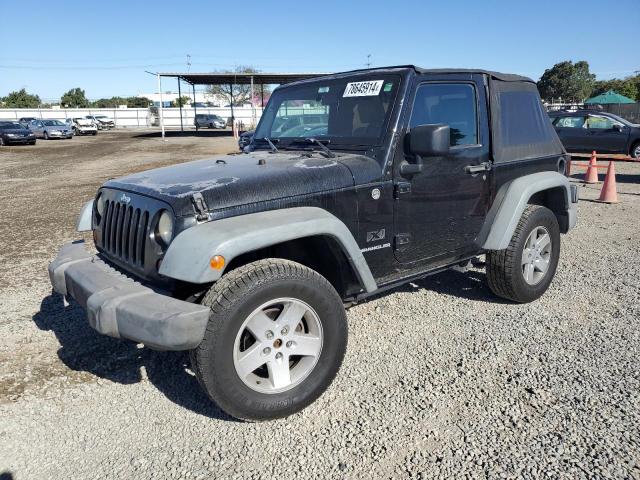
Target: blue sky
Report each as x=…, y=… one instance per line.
x=104, y=47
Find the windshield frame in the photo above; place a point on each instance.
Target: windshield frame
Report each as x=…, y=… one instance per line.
x=51, y=122
x=399, y=79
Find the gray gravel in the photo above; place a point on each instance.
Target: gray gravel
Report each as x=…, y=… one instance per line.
x=441, y=378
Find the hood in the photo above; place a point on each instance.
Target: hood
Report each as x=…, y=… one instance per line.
x=84, y=123
x=233, y=180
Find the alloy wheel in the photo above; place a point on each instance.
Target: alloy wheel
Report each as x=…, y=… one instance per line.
x=536, y=255
x=278, y=345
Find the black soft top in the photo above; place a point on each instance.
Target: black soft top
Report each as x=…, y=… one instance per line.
x=520, y=126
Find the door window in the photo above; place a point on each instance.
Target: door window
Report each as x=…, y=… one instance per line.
x=452, y=104
x=569, y=122
x=601, y=123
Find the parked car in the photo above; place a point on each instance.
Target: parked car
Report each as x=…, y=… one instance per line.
x=248, y=260
x=25, y=121
x=14, y=132
x=587, y=130
x=82, y=126
x=50, y=128
x=102, y=122
x=209, y=121
x=244, y=139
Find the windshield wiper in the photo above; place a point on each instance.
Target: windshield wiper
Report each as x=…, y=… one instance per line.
x=324, y=148
x=273, y=148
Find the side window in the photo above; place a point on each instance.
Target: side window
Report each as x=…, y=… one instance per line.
x=570, y=122
x=452, y=104
x=602, y=123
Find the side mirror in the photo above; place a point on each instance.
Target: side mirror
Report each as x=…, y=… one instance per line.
x=617, y=127
x=429, y=140
x=425, y=141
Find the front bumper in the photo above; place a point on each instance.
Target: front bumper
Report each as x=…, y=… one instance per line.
x=22, y=140
x=86, y=130
x=120, y=307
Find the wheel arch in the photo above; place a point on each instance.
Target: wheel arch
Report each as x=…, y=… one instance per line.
x=309, y=235
x=548, y=189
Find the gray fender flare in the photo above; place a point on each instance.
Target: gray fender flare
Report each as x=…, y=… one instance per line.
x=515, y=201
x=188, y=256
x=83, y=224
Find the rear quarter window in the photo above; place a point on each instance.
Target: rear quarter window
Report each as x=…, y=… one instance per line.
x=522, y=120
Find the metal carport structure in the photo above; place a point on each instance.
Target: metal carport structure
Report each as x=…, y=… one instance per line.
x=229, y=79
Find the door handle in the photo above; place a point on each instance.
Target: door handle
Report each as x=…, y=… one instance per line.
x=473, y=169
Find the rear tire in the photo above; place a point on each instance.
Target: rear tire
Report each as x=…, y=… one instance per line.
x=523, y=271
x=635, y=151
x=255, y=298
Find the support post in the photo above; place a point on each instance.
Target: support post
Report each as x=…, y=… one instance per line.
x=195, y=109
x=180, y=105
x=161, y=106
x=253, y=107
x=233, y=118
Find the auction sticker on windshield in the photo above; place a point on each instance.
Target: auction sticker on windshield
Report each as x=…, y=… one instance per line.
x=363, y=89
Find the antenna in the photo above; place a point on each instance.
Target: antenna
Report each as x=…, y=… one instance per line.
x=188, y=62
x=368, y=64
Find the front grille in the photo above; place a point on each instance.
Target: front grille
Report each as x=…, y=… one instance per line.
x=124, y=232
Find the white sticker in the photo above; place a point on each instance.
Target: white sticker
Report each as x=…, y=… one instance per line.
x=363, y=89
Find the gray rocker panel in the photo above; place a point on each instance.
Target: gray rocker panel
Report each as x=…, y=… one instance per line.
x=515, y=201
x=188, y=255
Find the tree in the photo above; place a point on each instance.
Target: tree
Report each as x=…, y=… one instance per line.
x=180, y=102
x=74, y=98
x=567, y=80
x=241, y=93
x=138, y=102
x=627, y=87
x=21, y=99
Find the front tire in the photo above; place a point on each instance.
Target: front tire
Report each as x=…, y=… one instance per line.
x=635, y=151
x=276, y=337
x=524, y=270
x=46, y=135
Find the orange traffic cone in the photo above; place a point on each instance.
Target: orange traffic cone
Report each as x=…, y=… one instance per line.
x=609, y=192
x=591, y=176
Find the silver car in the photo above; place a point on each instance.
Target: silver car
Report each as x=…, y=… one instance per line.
x=50, y=128
x=209, y=121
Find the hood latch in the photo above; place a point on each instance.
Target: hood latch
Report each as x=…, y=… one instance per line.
x=200, y=206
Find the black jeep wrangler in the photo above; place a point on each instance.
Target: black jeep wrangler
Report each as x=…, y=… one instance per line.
x=353, y=183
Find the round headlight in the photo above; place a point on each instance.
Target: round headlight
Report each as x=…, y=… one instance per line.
x=165, y=227
x=100, y=204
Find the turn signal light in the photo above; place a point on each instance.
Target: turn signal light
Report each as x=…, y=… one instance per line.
x=217, y=262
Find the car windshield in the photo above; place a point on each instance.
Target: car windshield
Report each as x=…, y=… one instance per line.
x=101, y=116
x=53, y=123
x=346, y=111
x=4, y=125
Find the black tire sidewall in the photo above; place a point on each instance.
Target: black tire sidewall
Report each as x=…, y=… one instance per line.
x=231, y=393
x=541, y=217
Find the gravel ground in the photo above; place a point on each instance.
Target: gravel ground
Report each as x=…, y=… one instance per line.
x=441, y=378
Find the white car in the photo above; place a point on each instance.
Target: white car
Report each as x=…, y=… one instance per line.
x=82, y=126
x=101, y=121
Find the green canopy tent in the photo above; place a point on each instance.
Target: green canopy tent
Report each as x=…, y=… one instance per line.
x=609, y=97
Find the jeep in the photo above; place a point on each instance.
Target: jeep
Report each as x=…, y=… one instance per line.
x=353, y=183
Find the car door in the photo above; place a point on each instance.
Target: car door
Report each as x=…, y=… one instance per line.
x=571, y=132
x=604, y=134
x=36, y=127
x=439, y=211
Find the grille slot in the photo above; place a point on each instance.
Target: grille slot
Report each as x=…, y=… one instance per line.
x=124, y=232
